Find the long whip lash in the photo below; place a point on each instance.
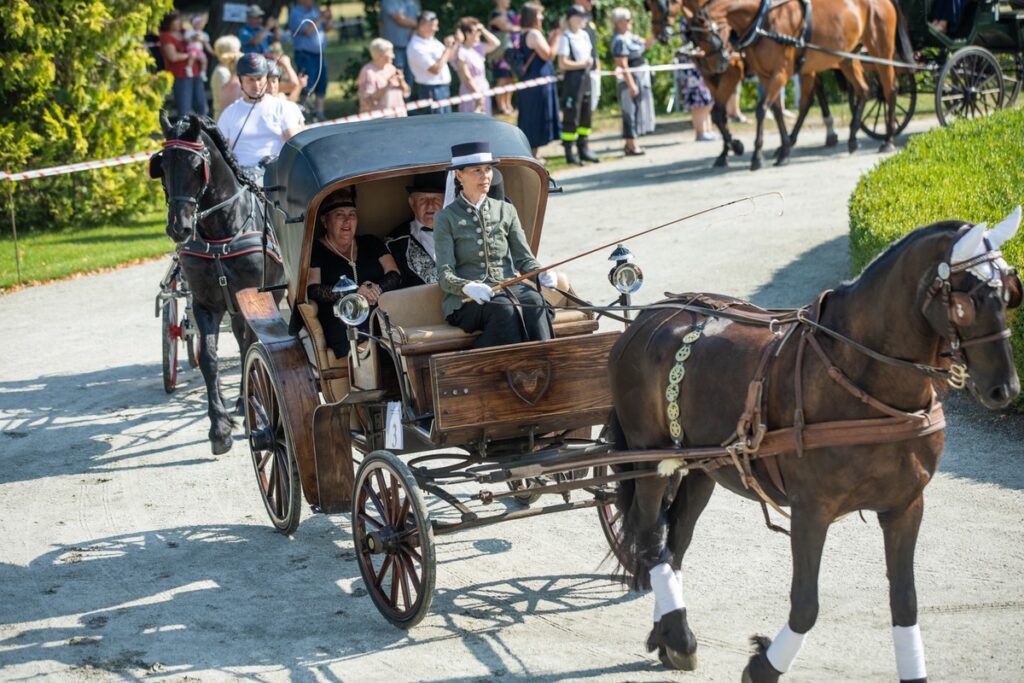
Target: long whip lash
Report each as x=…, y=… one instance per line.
x=532, y=273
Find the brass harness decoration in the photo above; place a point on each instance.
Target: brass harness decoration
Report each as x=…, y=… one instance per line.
x=675, y=377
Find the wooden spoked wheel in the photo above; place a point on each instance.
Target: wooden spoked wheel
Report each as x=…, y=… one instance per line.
x=270, y=441
x=1013, y=70
x=610, y=517
x=394, y=539
x=872, y=120
x=970, y=85
x=169, y=334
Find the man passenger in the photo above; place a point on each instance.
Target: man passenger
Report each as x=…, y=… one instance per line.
x=412, y=243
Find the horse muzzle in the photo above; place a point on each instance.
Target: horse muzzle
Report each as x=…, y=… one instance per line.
x=997, y=396
x=181, y=223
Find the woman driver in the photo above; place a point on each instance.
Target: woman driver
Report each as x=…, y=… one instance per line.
x=480, y=243
x=338, y=252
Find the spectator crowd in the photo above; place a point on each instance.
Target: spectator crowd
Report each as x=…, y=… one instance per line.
x=413, y=58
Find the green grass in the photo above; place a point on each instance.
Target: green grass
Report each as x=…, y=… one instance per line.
x=970, y=171
x=54, y=255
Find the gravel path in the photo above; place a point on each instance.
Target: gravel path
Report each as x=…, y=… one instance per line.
x=129, y=551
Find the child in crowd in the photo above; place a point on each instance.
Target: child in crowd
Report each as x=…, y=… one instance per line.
x=196, y=51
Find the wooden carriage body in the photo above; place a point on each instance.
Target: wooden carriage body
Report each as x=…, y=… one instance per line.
x=487, y=401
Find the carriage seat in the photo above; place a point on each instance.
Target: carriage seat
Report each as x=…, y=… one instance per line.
x=419, y=326
x=332, y=371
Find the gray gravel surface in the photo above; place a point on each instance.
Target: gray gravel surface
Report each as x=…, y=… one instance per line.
x=128, y=551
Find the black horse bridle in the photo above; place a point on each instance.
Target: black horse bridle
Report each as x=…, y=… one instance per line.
x=200, y=150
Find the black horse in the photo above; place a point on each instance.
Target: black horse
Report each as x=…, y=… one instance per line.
x=862, y=359
x=216, y=215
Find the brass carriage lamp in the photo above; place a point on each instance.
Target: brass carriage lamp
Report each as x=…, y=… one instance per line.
x=625, y=276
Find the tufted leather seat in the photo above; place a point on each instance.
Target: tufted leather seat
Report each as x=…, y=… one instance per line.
x=333, y=371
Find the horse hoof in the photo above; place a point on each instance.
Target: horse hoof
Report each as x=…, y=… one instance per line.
x=755, y=165
x=831, y=140
x=221, y=446
x=852, y=147
x=721, y=162
x=887, y=148
x=737, y=147
x=677, y=661
x=782, y=161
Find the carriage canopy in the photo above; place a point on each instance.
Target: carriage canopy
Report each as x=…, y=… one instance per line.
x=380, y=158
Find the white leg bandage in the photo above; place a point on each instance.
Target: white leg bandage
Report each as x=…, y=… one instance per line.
x=909, y=652
x=668, y=590
x=784, y=649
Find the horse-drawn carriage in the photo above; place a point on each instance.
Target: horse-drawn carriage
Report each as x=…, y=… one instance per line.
x=413, y=383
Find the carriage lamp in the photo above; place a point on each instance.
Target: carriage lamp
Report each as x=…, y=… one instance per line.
x=352, y=309
x=625, y=276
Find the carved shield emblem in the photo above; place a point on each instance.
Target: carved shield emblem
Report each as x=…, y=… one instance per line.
x=530, y=382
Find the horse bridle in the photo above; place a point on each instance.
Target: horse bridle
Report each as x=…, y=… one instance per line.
x=200, y=150
x=960, y=309
x=718, y=43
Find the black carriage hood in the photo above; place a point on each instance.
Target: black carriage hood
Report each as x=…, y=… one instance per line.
x=319, y=157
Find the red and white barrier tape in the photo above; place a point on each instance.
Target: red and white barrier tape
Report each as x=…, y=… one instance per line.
x=363, y=116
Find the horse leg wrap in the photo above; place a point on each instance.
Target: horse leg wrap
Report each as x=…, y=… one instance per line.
x=785, y=648
x=829, y=124
x=909, y=653
x=668, y=590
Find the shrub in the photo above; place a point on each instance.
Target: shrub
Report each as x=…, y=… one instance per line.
x=75, y=84
x=970, y=171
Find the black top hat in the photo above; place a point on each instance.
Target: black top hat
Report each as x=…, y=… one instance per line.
x=471, y=154
x=346, y=196
x=427, y=182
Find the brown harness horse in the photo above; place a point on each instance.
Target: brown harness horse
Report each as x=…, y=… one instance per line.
x=828, y=409
x=771, y=35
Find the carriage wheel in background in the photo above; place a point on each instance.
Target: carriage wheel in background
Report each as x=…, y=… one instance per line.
x=610, y=517
x=873, y=119
x=1012, y=66
x=270, y=441
x=970, y=85
x=170, y=332
x=193, y=344
x=394, y=540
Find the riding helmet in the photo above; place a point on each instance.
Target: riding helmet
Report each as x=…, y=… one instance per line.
x=252, y=64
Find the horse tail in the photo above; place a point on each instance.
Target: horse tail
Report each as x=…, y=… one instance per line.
x=904, y=50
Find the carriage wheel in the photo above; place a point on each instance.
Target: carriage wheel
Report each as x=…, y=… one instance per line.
x=193, y=344
x=872, y=120
x=394, y=539
x=970, y=85
x=524, y=485
x=169, y=334
x=1012, y=66
x=270, y=441
x=610, y=517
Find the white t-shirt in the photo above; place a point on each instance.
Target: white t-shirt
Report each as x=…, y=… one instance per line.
x=581, y=46
x=262, y=136
x=422, y=54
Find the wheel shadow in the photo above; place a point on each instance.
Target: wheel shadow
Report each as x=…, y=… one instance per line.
x=210, y=597
x=105, y=421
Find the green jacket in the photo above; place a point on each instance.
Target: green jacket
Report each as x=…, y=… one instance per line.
x=486, y=246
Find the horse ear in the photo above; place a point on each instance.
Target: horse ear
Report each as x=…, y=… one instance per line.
x=967, y=246
x=1006, y=229
x=193, y=127
x=165, y=124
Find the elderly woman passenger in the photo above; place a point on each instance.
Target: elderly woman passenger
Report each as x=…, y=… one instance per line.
x=381, y=84
x=635, y=95
x=480, y=243
x=338, y=252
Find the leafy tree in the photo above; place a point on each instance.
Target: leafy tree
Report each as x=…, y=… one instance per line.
x=76, y=84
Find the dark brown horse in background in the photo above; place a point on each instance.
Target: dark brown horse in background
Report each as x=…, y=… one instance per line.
x=838, y=25
x=871, y=349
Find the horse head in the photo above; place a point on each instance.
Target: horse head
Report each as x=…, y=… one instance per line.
x=662, y=12
x=966, y=303
x=711, y=33
x=183, y=166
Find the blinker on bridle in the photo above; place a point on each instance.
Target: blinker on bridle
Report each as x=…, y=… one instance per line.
x=199, y=149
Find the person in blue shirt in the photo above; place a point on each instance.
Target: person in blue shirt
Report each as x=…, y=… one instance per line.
x=308, y=25
x=398, y=21
x=255, y=35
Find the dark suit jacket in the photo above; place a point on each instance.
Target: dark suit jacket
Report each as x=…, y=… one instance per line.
x=415, y=264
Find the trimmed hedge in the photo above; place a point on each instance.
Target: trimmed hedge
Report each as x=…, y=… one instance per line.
x=973, y=170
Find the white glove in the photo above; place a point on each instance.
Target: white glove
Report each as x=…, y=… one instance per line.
x=477, y=291
x=548, y=279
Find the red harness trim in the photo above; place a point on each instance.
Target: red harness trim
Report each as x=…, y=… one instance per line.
x=185, y=144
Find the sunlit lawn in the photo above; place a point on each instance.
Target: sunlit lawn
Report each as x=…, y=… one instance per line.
x=53, y=255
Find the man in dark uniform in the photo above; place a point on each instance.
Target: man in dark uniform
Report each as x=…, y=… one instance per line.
x=412, y=243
